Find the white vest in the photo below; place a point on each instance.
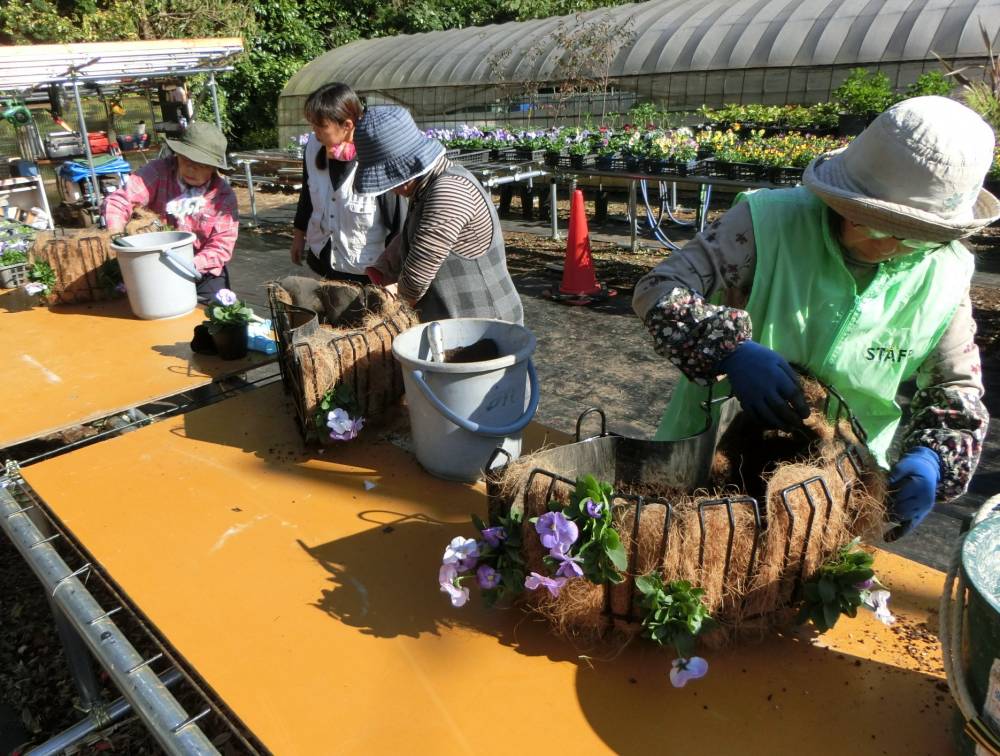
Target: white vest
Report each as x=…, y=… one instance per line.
x=351, y=222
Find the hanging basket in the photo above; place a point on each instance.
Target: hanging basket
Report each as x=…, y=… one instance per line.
x=746, y=518
x=316, y=356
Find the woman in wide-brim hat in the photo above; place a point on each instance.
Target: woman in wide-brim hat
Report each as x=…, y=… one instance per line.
x=858, y=277
x=449, y=261
x=189, y=193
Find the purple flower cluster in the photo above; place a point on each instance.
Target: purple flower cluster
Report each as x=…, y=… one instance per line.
x=342, y=426
x=558, y=534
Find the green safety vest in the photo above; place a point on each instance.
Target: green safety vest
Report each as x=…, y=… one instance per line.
x=805, y=305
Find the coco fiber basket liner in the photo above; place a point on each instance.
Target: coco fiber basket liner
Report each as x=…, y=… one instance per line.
x=77, y=257
x=746, y=524
x=355, y=351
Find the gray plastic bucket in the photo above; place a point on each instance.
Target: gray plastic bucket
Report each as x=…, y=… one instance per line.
x=461, y=412
x=159, y=274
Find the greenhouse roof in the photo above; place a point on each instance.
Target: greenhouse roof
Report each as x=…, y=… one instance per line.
x=670, y=36
x=24, y=67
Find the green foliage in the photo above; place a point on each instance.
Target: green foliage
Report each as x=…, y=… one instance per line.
x=41, y=272
x=864, y=92
x=673, y=613
x=834, y=590
x=220, y=315
x=506, y=558
x=109, y=275
x=338, y=396
x=930, y=83
x=12, y=257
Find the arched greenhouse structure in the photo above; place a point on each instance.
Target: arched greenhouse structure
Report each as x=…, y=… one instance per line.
x=679, y=54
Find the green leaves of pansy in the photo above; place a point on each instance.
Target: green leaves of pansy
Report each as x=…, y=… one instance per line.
x=673, y=613
x=834, y=589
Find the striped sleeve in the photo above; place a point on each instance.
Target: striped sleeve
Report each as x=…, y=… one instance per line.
x=455, y=218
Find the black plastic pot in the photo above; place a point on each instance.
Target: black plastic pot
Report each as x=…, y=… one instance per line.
x=605, y=162
x=230, y=341
x=852, y=124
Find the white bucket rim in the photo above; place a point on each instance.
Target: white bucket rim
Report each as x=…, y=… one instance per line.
x=484, y=366
x=184, y=238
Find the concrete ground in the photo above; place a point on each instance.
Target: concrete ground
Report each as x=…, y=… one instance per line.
x=602, y=356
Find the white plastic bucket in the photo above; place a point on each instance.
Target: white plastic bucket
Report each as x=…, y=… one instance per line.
x=159, y=274
x=461, y=412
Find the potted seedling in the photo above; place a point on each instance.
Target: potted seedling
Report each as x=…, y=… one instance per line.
x=228, y=317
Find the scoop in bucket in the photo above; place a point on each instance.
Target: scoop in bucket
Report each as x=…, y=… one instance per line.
x=463, y=407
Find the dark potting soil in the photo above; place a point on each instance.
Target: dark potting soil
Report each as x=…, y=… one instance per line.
x=484, y=349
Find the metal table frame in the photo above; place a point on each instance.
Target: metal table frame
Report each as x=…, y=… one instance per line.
x=31, y=529
x=705, y=184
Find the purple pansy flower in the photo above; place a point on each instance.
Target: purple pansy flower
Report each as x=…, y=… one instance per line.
x=594, y=508
x=556, y=531
x=534, y=581
x=342, y=426
x=865, y=585
x=460, y=552
x=447, y=576
x=682, y=670
x=226, y=297
x=488, y=577
x=569, y=566
x=878, y=601
x=494, y=535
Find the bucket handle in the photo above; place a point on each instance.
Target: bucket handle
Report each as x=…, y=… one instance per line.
x=483, y=430
x=185, y=268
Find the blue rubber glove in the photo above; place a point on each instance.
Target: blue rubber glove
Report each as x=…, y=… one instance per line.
x=913, y=483
x=766, y=385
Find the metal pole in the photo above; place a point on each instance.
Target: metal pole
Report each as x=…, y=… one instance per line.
x=633, y=220
x=253, y=198
x=215, y=100
x=86, y=144
x=167, y=721
x=553, y=209
x=78, y=658
x=79, y=661
x=96, y=720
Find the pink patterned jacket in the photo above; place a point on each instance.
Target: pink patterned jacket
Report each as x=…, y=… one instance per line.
x=215, y=225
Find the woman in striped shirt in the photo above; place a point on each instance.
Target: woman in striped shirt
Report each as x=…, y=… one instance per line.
x=450, y=261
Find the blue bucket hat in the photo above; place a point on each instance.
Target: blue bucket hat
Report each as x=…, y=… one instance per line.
x=391, y=150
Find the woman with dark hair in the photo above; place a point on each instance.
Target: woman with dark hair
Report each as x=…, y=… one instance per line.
x=340, y=232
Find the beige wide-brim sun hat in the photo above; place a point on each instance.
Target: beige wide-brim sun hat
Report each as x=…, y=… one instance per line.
x=916, y=172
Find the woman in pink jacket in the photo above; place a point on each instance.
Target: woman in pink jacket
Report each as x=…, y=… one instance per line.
x=189, y=194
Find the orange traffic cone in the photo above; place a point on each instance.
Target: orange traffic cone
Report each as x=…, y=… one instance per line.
x=578, y=278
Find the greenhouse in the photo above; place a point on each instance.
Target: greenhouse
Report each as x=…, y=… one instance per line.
x=678, y=54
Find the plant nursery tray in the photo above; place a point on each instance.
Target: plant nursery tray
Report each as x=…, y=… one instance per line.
x=322, y=569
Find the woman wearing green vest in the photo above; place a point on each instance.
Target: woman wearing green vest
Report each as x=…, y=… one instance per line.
x=859, y=278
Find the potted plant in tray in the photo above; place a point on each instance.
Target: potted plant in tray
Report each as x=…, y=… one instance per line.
x=13, y=268
x=863, y=95
x=228, y=317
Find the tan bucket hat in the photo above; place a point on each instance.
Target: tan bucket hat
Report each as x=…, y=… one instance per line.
x=203, y=143
x=916, y=172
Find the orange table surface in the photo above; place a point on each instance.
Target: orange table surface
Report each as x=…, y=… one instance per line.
x=70, y=364
x=310, y=605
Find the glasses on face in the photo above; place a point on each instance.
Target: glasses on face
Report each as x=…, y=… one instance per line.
x=914, y=245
